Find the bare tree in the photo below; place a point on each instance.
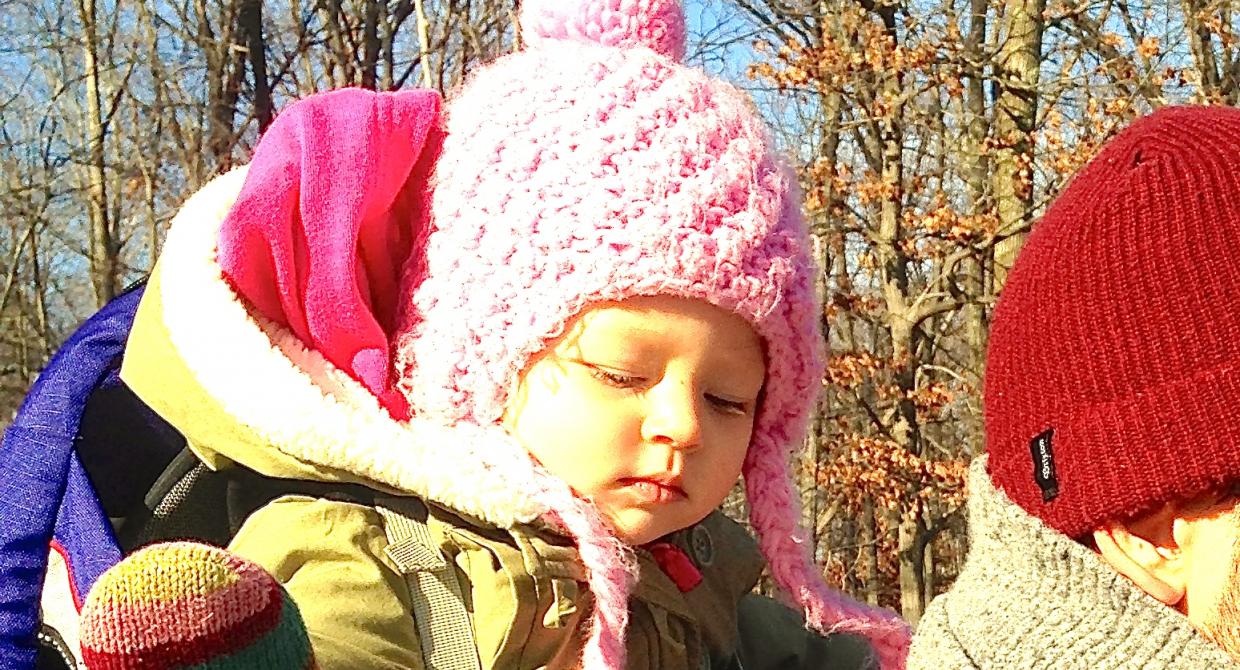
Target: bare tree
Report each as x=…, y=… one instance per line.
x=930, y=137
x=103, y=248
x=1017, y=68
x=1210, y=25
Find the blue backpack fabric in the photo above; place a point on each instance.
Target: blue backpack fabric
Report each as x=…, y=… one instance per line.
x=46, y=498
x=88, y=470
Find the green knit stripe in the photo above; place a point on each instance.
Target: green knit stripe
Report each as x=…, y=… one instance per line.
x=287, y=646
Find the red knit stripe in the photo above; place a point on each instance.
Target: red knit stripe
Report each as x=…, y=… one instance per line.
x=198, y=649
x=166, y=619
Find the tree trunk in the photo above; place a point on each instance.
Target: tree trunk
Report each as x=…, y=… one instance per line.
x=903, y=427
x=977, y=169
x=868, y=557
x=1016, y=110
x=977, y=175
x=148, y=164
x=11, y=274
x=912, y=570
x=424, y=43
x=1218, y=68
x=104, y=271
x=370, y=43
x=339, y=62
x=929, y=581
x=387, y=32
x=225, y=71
x=38, y=288
x=250, y=22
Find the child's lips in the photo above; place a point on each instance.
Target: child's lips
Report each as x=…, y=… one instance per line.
x=654, y=490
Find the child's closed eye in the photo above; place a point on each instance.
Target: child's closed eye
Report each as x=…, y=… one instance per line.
x=729, y=406
x=615, y=378
x=623, y=380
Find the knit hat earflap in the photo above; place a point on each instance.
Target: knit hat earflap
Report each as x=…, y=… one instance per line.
x=188, y=605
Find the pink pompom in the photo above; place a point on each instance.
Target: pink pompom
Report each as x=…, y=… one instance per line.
x=656, y=24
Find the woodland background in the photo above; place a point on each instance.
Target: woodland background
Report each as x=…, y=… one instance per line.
x=929, y=135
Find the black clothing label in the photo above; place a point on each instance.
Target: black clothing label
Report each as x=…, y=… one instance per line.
x=1044, y=465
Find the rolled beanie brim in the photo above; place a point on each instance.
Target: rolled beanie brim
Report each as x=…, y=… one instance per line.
x=1118, y=459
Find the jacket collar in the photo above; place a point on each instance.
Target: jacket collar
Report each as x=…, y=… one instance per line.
x=1031, y=597
x=722, y=550
x=247, y=391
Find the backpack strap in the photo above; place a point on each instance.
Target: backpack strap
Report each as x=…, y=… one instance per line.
x=191, y=500
x=443, y=623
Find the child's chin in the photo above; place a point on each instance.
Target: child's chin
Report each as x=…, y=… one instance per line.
x=636, y=527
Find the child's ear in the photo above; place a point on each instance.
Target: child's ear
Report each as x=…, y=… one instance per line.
x=1149, y=552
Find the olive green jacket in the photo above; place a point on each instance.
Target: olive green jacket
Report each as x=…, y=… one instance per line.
x=523, y=592
x=437, y=555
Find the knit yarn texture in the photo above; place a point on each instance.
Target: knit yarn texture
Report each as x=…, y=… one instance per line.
x=1031, y=598
x=594, y=166
x=187, y=605
x=1115, y=349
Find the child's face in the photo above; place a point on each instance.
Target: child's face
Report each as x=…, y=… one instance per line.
x=646, y=407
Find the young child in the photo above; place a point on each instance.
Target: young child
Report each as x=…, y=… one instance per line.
x=548, y=363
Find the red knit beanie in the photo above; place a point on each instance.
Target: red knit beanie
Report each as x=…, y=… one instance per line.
x=1113, y=376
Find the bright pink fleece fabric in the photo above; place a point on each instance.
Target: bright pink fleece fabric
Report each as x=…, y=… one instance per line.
x=324, y=223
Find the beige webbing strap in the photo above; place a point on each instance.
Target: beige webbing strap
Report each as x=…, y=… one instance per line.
x=438, y=607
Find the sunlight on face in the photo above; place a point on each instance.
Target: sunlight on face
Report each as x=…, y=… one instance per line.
x=1213, y=584
x=645, y=407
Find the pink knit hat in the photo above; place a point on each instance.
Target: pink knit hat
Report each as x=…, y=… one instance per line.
x=594, y=166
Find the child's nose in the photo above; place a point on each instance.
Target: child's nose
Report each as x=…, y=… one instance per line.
x=672, y=416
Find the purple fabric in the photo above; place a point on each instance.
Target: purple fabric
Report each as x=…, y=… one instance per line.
x=43, y=488
x=85, y=533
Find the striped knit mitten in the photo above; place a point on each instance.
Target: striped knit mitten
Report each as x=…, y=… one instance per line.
x=183, y=605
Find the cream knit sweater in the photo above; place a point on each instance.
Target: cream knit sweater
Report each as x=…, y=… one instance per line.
x=1031, y=598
